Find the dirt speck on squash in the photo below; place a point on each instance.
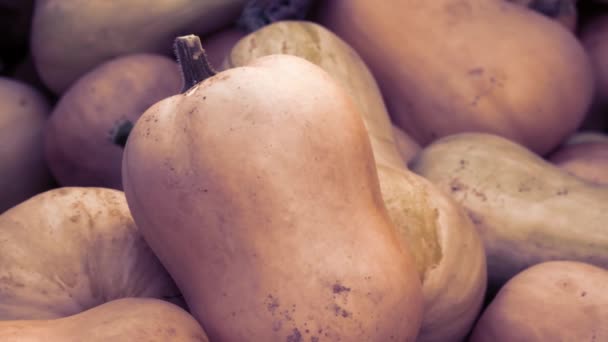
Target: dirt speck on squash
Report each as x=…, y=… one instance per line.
x=295, y=336
x=338, y=288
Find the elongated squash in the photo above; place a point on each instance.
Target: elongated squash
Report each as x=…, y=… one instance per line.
x=450, y=66
x=71, y=37
x=257, y=189
x=441, y=237
x=527, y=210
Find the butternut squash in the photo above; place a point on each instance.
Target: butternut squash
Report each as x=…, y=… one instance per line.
x=71, y=249
x=23, y=170
x=563, y=11
x=587, y=161
x=441, y=237
x=71, y=37
x=450, y=66
x=586, y=137
x=267, y=210
x=594, y=37
x=527, y=210
x=121, y=320
x=551, y=301
x=86, y=132
x=406, y=146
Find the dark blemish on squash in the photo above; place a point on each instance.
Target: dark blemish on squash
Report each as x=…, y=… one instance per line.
x=479, y=194
x=338, y=288
x=287, y=315
x=22, y=102
x=476, y=219
x=277, y=325
x=314, y=339
x=457, y=185
x=295, y=336
x=74, y=218
x=583, y=294
x=272, y=304
x=475, y=72
x=463, y=163
x=338, y=311
x=562, y=192
x=171, y=331
x=233, y=313
x=524, y=188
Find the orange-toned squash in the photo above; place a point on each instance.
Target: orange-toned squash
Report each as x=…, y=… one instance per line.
x=448, y=66
x=551, y=301
x=121, y=320
x=267, y=210
x=71, y=249
x=71, y=37
x=442, y=238
x=86, y=132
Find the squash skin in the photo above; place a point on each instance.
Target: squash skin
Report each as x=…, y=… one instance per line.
x=439, y=77
x=120, y=320
x=586, y=137
x=552, y=301
x=23, y=170
x=588, y=161
x=562, y=11
x=78, y=136
x=406, y=146
x=339, y=272
x=441, y=237
x=65, y=40
x=527, y=210
x=70, y=249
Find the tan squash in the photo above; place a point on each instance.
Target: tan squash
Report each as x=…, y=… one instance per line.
x=406, y=146
x=586, y=160
x=563, y=11
x=23, y=170
x=71, y=37
x=552, y=301
x=442, y=239
x=71, y=249
x=267, y=210
x=527, y=210
x=447, y=66
x=121, y=320
x=86, y=132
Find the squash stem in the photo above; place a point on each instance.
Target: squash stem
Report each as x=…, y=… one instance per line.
x=259, y=13
x=120, y=133
x=193, y=62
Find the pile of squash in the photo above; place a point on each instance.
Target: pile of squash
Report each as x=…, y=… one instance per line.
x=304, y=171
